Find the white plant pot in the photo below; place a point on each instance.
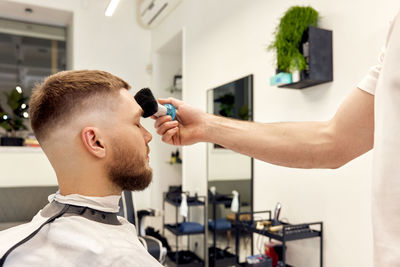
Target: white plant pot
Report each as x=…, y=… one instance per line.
x=295, y=76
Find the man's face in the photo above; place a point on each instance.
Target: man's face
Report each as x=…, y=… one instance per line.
x=128, y=165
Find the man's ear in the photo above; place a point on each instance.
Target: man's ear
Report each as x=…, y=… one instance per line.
x=93, y=142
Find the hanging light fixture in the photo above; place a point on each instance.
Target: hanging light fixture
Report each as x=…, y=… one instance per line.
x=111, y=8
x=19, y=89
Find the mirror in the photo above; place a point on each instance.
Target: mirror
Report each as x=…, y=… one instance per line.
x=228, y=171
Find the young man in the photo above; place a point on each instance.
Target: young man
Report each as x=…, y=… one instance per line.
x=352, y=132
x=88, y=125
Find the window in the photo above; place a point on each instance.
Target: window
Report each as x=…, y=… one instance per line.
x=28, y=53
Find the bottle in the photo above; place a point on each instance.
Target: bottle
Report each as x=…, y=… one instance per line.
x=177, y=156
x=173, y=158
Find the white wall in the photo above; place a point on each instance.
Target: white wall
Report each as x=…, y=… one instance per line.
x=116, y=44
x=18, y=165
x=225, y=40
x=167, y=62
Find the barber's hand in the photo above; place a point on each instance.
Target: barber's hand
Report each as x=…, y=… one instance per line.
x=187, y=129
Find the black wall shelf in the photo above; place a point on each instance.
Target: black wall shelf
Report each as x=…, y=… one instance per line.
x=319, y=59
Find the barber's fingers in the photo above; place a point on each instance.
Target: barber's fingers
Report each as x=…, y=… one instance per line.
x=168, y=135
x=166, y=126
x=161, y=120
x=154, y=117
x=175, y=102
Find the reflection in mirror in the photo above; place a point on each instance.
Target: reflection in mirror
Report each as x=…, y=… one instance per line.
x=229, y=173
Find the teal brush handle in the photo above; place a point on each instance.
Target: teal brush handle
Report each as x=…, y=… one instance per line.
x=171, y=111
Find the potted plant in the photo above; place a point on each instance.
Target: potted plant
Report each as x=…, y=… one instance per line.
x=12, y=118
x=288, y=39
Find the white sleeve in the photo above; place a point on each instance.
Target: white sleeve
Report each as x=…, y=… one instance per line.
x=368, y=83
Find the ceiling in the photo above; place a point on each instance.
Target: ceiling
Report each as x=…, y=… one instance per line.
x=42, y=15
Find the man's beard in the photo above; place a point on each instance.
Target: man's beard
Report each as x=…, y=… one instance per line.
x=127, y=169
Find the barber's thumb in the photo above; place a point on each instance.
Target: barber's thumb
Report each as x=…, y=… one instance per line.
x=173, y=101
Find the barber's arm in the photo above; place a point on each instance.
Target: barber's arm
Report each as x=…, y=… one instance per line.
x=328, y=144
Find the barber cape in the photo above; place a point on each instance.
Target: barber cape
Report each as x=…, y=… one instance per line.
x=76, y=240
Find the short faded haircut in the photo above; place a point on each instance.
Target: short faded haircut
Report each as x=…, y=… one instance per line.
x=63, y=93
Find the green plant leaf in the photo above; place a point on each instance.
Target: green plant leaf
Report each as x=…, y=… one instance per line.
x=15, y=121
x=244, y=112
x=6, y=126
x=19, y=125
x=288, y=37
x=14, y=99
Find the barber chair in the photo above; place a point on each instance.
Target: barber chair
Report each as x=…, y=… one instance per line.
x=152, y=244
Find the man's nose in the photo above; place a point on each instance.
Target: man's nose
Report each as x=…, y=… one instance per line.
x=147, y=135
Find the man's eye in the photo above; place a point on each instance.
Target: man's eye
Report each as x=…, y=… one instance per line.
x=138, y=125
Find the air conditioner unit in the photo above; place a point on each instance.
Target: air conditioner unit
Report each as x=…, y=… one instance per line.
x=152, y=12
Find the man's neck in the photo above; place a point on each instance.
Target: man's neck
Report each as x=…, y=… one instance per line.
x=93, y=186
x=89, y=192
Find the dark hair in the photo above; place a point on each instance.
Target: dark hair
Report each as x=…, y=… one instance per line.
x=61, y=94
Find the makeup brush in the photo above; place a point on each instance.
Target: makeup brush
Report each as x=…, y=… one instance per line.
x=150, y=106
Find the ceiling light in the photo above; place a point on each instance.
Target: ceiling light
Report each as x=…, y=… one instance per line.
x=23, y=106
x=19, y=89
x=25, y=114
x=5, y=117
x=111, y=7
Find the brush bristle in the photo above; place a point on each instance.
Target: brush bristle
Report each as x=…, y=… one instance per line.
x=147, y=102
